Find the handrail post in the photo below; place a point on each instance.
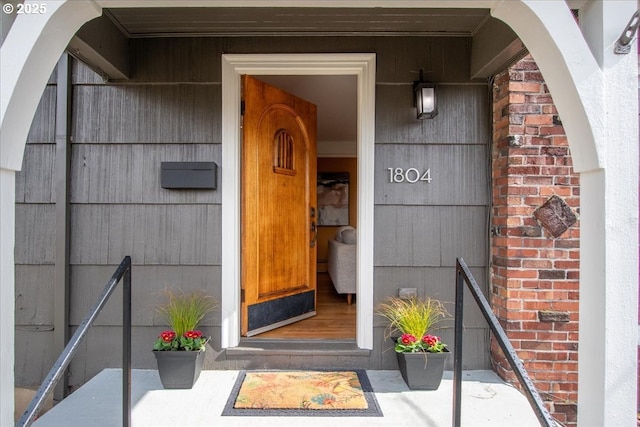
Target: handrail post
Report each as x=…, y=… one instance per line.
x=63, y=361
x=126, y=347
x=532, y=395
x=457, y=356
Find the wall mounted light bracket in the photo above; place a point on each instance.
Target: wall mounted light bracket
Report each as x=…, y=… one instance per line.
x=425, y=98
x=623, y=44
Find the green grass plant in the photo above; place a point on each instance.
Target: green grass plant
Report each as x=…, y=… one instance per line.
x=184, y=311
x=415, y=315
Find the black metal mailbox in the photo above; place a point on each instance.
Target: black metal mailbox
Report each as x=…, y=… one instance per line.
x=188, y=175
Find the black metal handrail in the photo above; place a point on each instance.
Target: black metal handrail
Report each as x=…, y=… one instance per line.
x=463, y=274
x=123, y=272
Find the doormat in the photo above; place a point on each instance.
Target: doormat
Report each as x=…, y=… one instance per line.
x=303, y=393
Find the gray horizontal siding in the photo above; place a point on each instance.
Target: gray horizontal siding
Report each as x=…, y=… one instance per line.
x=130, y=173
x=34, y=355
x=34, y=295
x=53, y=78
x=170, y=110
x=35, y=234
x=43, y=124
x=34, y=183
x=101, y=350
x=458, y=174
x=104, y=340
x=444, y=59
x=82, y=74
x=147, y=114
x=151, y=234
x=462, y=116
x=430, y=235
x=475, y=348
x=148, y=284
x=35, y=246
x=433, y=282
x=162, y=60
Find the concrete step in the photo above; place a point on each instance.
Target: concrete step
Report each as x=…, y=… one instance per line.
x=486, y=401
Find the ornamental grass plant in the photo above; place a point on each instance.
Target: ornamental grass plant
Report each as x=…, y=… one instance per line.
x=413, y=318
x=183, y=312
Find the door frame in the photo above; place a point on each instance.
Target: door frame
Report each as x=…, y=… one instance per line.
x=363, y=66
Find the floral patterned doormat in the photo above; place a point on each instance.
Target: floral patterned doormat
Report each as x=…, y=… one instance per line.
x=303, y=393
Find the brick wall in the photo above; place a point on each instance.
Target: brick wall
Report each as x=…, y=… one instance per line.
x=535, y=237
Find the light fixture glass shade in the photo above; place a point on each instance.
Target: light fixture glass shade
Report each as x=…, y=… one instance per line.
x=426, y=100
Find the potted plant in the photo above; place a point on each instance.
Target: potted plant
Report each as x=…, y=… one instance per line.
x=179, y=351
x=421, y=355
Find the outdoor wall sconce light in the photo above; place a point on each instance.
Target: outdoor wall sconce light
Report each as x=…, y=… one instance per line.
x=425, y=99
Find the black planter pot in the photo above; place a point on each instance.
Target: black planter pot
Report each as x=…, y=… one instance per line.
x=422, y=371
x=179, y=369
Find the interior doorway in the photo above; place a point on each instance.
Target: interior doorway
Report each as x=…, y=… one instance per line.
x=334, y=319
x=360, y=67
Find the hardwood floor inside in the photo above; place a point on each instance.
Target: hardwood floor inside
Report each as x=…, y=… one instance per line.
x=334, y=318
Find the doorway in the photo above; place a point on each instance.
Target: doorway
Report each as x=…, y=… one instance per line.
x=336, y=99
x=362, y=66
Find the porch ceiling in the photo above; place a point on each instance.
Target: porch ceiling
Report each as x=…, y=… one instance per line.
x=104, y=42
x=238, y=21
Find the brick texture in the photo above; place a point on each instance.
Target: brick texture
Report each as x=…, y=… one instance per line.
x=535, y=272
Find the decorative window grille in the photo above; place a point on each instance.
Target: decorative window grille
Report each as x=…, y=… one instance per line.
x=283, y=153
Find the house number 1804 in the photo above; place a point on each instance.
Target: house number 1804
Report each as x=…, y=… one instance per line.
x=411, y=175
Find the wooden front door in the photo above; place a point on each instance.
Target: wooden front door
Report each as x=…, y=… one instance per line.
x=279, y=212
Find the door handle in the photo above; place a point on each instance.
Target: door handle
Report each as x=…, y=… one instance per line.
x=314, y=226
x=314, y=234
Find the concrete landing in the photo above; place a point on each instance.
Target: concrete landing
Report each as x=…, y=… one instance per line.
x=486, y=401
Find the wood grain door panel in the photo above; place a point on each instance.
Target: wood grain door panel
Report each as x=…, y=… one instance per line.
x=278, y=207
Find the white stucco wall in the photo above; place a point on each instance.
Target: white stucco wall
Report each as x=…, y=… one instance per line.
x=609, y=207
x=7, y=293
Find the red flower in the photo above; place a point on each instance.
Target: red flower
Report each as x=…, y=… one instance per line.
x=430, y=340
x=167, y=336
x=407, y=339
x=193, y=334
